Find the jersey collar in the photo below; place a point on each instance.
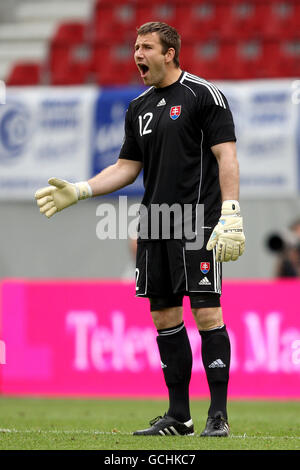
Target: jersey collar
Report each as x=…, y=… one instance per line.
x=169, y=87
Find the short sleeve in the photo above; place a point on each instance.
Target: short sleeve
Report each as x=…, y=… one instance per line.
x=130, y=149
x=215, y=116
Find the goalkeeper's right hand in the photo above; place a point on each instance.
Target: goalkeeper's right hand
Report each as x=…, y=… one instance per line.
x=60, y=194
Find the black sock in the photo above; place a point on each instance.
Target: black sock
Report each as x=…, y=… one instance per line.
x=176, y=361
x=216, y=361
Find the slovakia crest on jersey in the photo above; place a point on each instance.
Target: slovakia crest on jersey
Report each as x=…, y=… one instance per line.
x=175, y=112
x=204, y=267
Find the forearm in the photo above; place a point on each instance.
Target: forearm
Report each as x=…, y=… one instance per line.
x=111, y=179
x=229, y=175
x=228, y=236
x=62, y=194
x=229, y=178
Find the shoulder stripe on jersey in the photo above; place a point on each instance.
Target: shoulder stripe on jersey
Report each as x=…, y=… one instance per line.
x=207, y=86
x=202, y=80
x=211, y=87
x=219, y=94
x=186, y=85
x=144, y=93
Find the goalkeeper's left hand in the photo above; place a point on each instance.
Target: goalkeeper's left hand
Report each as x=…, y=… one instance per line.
x=228, y=235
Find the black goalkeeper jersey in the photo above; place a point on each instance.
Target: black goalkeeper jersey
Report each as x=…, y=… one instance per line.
x=171, y=131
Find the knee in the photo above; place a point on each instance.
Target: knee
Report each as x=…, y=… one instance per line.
x=208, y=318
x=167, y=317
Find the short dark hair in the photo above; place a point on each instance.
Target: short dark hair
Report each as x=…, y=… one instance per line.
x=168, y=35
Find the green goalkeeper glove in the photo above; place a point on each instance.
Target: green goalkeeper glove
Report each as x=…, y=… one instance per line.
x=228, y=236
x=60, y=194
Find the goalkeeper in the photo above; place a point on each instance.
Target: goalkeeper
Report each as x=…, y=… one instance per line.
x=181, y=132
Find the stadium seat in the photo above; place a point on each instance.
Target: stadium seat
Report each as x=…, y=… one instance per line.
x=114, y=21
x=289, y=58
x=72, y=74
x=63, y=55
x=241, y=39
x=202, y=59
x=237, y=60
x=68, y=37
x=71, y=32
x=282, y=19
x=24, y=74
x=113, y=76
x=199, y=20
x=165, y=11
x=242, y=19
x=114, y=61
x=250, y=59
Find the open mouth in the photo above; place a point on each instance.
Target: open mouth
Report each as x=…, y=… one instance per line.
x=143, y=69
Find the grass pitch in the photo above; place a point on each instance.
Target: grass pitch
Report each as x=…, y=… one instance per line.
x=52, y=424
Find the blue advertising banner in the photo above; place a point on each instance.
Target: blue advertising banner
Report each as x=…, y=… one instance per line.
x=110, y=110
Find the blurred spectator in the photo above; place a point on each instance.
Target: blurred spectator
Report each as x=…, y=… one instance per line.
x=288, y=249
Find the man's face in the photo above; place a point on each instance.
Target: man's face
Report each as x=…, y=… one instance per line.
x=150, y=59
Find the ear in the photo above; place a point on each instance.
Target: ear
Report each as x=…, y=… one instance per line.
x=169, y=55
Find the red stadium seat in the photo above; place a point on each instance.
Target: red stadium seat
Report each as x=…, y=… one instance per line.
x=63, y=55
x=72, y=74
x=199, y=20
x=236, y=60
x=165, y=11
x=68, y=40
x=202, y=59
x=24, y=73
x=241, y=39
x=115, y=21
x=282, y=19
x=70, y=33
x=114, y=76
x=289, y=58
x=119, y=54
x=114, y=61
x=250, y=59
x=242, y=19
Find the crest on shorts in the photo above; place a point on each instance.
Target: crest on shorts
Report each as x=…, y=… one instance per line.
x=204, y=267
x=175, y=112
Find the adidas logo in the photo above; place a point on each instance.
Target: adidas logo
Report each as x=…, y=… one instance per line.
x=163, y=366
x=162, y=103
x=204, y=282
x=217, y=364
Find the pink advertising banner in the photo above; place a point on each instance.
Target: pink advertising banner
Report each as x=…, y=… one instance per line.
x=93, y=338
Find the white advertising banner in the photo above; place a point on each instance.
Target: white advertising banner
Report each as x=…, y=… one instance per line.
x=44, y=132
x=266, y=117
x=53, y=131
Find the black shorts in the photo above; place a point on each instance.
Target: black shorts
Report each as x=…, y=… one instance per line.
x=166, y=270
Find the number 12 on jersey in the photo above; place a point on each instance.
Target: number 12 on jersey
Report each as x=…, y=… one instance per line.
x=146, y=119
